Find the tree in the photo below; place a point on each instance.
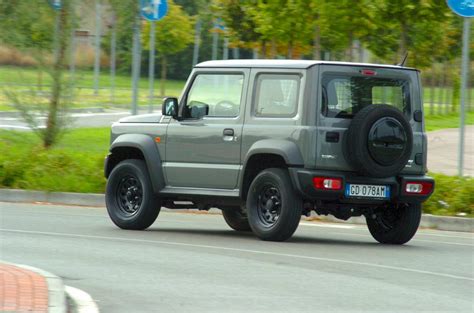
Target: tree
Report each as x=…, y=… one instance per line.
x=173, y=34
x=414, y=26
x=56, y=114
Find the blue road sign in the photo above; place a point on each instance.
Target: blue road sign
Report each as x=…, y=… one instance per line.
x=462, y=7
x=55, y=4
x=153, y=10
x=219, y=24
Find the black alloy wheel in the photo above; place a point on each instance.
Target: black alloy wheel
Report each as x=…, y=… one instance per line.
x=269, y=205
x=129, y=195
x=273, y=206
x=130, y=199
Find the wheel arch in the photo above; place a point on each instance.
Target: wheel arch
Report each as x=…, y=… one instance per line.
x=136, y=146
x=268, y=154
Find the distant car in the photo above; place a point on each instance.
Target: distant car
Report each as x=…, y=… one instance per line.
x=269, y=140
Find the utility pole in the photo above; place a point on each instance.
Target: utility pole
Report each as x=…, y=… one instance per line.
x=464, y=76
x=225, y=55
x=135, y=62
x=113, y=57
x=197, y=40
x=97, y=46
x=215, y=42
x=151, y=66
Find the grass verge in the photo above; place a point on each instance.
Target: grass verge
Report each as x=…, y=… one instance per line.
x=437, y=122
x=76, y=165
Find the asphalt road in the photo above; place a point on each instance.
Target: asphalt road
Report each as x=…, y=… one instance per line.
x=195, y=263
x=84, y=119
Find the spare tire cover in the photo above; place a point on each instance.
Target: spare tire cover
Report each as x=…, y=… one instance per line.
x=379, y=141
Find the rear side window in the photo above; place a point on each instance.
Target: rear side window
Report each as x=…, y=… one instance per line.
x=343, y=95
x=277, y=95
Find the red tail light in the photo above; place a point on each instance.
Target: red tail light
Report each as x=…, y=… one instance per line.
x=368, y=72
x=327, y=183
x=418, y=187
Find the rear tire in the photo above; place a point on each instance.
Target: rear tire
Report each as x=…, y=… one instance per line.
x=395, y=225
x=273, y=208
x=130, y=200
x=236, y=218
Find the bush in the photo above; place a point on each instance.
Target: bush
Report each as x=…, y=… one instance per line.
x=452, y=196
x=76, y=165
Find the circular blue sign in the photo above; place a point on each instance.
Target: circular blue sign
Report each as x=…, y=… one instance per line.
x=153, y=10
x=55, y=4
x=462, y=7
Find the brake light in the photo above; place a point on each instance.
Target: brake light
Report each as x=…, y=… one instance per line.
x=327, y=183
x=368, y=72
x=418, y=187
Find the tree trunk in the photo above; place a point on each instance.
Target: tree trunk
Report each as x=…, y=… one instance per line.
x=290, y=50
x=264, y=49
x=164, y=65
x=51, y=132
x=317, y=43
x=351, y=46
x=273, y=51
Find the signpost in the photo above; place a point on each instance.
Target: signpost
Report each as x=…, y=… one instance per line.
x=152, y=10
x=464, y=8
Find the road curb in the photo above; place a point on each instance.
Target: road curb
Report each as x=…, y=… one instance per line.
x=56, y=293
x=449, y=223
x=80, y=301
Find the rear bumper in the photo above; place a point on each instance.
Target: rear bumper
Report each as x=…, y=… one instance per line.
x=303, y=182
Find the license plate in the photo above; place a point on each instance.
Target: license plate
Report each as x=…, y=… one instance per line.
x=367, y=191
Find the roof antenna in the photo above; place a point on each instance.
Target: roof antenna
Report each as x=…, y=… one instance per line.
x=402, y=64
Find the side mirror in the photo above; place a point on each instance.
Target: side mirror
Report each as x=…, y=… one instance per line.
x=170, y=107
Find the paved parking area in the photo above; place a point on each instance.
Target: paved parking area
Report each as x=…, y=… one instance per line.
x=443, y=151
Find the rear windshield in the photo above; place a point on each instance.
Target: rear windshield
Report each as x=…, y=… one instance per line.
x=344, y=95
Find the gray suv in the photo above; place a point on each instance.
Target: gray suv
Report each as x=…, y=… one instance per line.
x=266, y=141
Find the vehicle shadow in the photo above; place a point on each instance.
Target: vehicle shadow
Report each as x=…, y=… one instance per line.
x=295, y=240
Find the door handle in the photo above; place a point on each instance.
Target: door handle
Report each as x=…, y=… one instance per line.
x=228, y=132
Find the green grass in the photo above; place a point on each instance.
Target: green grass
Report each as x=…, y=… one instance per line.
x=436, y=122
x=17, y=79
x=76, y=165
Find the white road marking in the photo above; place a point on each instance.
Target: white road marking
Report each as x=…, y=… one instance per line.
x=18, y=127
x=295, y=256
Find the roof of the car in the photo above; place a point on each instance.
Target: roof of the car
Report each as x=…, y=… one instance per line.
x=302, y=64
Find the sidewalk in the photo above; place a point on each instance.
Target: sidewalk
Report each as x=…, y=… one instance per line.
x=23, y=290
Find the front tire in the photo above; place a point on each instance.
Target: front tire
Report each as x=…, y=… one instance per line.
x=395, y=225
x=273, y=208
x=130, y=200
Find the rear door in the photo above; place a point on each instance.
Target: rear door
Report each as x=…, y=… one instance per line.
x=345, y=90
x=203, y=149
